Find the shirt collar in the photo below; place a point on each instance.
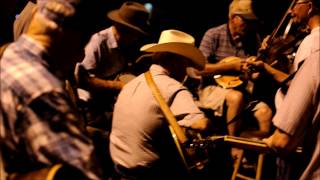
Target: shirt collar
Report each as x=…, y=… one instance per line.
x=158, y=70
x=34, y=47
x=112, y=42
x=315, y=29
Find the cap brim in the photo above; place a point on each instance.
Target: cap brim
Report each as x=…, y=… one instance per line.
x=114, y=16
x=250, y=17
x=186, y=50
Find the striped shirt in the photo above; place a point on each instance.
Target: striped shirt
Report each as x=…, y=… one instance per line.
x=103, y=57
x=38, y=123
x=217, y=44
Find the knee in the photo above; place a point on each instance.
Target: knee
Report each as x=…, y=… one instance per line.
x=263, y=113
x=234, y=96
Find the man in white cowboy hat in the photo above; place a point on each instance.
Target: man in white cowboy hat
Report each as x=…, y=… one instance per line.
x=109, y=53
x=140, y=142
x=231, y=43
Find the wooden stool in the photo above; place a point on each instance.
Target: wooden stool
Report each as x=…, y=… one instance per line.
x=258, y=168
x=239, y=162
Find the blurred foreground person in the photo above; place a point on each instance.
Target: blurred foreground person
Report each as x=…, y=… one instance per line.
x=39, y=125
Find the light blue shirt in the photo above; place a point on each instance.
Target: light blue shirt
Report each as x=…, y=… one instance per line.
x=103, y=57
x=138, y=119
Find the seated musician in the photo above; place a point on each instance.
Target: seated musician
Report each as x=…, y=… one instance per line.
x=236, y=40
x=108, y=54
x=140, y=142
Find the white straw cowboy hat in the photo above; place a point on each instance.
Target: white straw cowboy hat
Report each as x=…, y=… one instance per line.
x=133, y=15
x=180, y=43
x=242, y=8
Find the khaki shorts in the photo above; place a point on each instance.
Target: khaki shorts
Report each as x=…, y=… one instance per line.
x=212, y=97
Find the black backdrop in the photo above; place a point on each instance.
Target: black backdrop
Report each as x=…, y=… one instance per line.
x=191, y=16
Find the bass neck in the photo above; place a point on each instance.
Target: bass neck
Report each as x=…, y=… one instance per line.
x=244, y=143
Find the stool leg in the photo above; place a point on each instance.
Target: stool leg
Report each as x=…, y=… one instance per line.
x=237, y=165
x=259, y=167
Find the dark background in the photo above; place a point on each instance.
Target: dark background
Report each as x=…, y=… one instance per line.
x=191, y=16
x=197, y=16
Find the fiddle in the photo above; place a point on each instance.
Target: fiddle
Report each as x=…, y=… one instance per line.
x=281, y=54
x=279, y=50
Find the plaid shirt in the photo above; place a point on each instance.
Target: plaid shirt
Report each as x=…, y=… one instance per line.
x=103, y=57
x=38, y=123
x=217, y=44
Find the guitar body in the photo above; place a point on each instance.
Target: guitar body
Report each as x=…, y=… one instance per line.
x=194, y=158
x=228, y=81
x=231, y=80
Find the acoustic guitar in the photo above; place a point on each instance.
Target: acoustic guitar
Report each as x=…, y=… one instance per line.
x=229, y=80
x=193, y=158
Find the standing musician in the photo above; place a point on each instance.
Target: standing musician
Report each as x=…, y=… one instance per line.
x=304, y=13
x=234, y=41
x=297, y=118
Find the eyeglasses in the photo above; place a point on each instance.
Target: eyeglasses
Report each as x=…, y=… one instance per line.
x=301, y=2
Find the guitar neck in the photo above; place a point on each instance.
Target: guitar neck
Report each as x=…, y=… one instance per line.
x=246, y=143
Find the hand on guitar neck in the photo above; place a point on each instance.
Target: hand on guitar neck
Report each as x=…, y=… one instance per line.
x=230, y=72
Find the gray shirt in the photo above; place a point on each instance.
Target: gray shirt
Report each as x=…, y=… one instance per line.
x=299, y=114
x=138, y=119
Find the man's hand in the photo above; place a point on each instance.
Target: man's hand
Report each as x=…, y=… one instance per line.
x=279, y=142
x=257, y=65
x=201, y=124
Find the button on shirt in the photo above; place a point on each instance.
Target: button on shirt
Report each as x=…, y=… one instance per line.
x=138, y=118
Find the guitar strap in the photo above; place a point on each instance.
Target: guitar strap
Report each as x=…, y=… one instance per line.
x=3, y=173
x=165, y=109
x=177, y=134
x=283, y=84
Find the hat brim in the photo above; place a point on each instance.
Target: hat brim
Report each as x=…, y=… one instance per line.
x=114, y=16
x=186, y=50
x=250, y=17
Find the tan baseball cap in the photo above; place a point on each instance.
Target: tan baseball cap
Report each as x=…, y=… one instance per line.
x=242, y=8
